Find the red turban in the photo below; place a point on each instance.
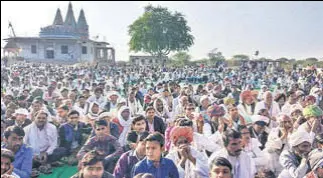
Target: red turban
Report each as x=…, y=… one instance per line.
x=180, y=131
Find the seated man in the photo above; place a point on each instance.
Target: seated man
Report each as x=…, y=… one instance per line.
x=14, y=136
x=154, y=163
x=220, y=167
x=189, y=161
x=21, y=118
x=128, y=160
x=71, y=135
x=294, y=160
x=154, y=123
x=316, y=163
x=106, y=144
x=139, y=124
x=42, y=137
x=92, y=165
x=7, y=158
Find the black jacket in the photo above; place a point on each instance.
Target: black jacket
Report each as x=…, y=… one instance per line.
x=159, y=125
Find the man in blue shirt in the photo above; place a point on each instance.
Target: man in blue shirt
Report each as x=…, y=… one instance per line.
x=154, y=163
x=23, y=154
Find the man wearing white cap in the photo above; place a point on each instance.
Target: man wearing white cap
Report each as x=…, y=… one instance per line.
x=21, y=118
x=316, y=163
x=258, y=129
x=294, y=161
x=111, y=103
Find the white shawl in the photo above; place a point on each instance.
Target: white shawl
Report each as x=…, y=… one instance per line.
x=125, y=124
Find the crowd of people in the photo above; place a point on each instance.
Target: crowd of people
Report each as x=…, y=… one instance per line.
x=153, y=121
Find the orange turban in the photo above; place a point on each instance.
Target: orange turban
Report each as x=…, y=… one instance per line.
x=180, y=131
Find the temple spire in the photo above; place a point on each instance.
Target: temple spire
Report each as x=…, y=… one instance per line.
x=70, y=19
x=81, y=22
x=58, y=18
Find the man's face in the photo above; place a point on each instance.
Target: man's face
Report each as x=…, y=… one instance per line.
x=141, y=147
x=41, y=120
x=82, y=101
x=259, y=128
x=125, y=114
x=64, y=93
x=234, y=146
x=205, y=102
x=303, y=148
x=286, y=122
x=5, y=165
x=220, y=172
x=61, y=112
x=268, y=98
x=153, y=150
x=189, y=110
x=98, y=94
x=233, y=111
x=101, y=130
x=181, y=141
x=20, y=118
x=14, y=142
x=319, y=171
x=150, y=113
x=36, y=107
x=114, y=98
x=245, y=134
x=184, y=100
x=93, y=171
x=73, y=119
x=140, y=126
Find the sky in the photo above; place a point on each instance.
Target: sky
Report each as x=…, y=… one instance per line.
x=276, y=29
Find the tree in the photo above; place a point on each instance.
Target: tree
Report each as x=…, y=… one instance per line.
x=159, y=31
x=215, y=57
x=241, y=57
x=312, y=59
x=181, y=59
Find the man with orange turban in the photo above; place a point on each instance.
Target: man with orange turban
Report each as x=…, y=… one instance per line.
x=189, y=161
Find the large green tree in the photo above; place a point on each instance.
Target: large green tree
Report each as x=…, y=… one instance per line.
x=180, y=59
x=159, y=31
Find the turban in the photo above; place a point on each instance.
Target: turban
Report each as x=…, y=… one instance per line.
x=312, y=111
x=217, y=111
x=105, y=114
x=299, y=137
x=204, y=97
x=294, y=108
x=180, y=131
x=310, y=98
x=228, y=101
x=245, y=94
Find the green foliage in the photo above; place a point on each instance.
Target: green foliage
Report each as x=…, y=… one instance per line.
x=214, y=57
x=241, y=57
x=180, y=59
x=311, y=59
x=159, y=31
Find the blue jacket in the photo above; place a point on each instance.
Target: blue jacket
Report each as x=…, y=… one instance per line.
x=167, y=168
x=23, y=161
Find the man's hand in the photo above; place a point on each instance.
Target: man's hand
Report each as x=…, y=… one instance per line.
x=7, y=176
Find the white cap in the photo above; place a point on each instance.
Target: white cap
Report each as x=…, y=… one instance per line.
x=22, y=111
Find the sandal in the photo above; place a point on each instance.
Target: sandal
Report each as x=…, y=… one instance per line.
x=34, y=173
x=46, y=169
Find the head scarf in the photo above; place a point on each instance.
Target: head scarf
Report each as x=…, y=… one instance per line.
x=312, y=111
x=299, y=137
x=179, y=131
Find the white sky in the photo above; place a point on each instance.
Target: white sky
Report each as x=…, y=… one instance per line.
x=276, y=29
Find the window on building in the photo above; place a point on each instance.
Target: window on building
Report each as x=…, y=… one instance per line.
x=64, y=49
x=84, y=50
x=50, y=54
x=33, y=49
x=150, y=61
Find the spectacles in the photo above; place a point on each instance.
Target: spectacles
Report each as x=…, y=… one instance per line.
x=190, y=109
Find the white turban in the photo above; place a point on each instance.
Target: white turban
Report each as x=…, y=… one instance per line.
x=299, y=137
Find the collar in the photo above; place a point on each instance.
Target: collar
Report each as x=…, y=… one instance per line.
x=151, y=163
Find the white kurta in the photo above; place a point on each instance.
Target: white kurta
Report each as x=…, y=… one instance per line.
x=200, y=170
x=242, y=166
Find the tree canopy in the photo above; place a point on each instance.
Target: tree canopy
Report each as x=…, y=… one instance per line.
x=241, y=57
x=159, y=31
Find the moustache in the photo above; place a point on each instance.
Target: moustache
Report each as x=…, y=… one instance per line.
x=238, y=151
